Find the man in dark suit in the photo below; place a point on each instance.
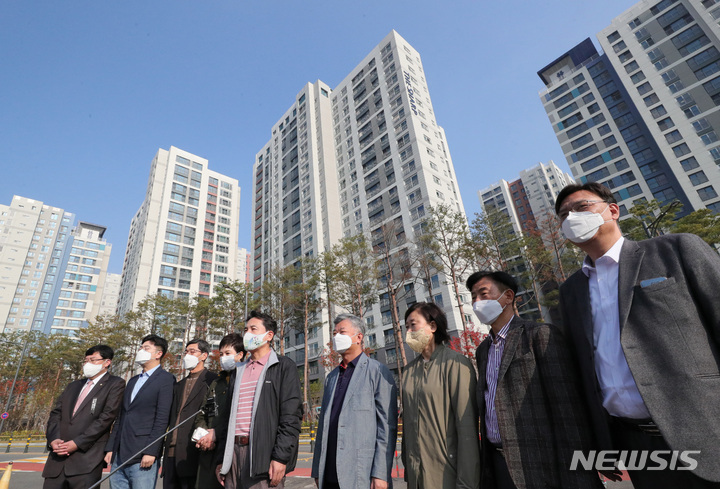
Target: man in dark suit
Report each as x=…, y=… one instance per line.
x=644, y=319
x=144, y=416
x=180, y=464
x=80, y=423
x=532, y=416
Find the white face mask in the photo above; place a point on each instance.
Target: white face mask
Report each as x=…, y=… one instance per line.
x=190, y=361
x=227, y=362
x=253, y=341
x=342, y=342
x=579, y=227
x=418, y=340
x=487, y=311
x=142, y=357
x=90, y=370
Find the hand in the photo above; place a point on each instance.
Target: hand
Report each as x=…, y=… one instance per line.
x=317, y=483
x=614, y=475
x=207, y=442
x=56, y=444
x=378, y=484
x=276, y=473
x=147, y=461
x=220, y=477
x=108, y=458
x=66, y=448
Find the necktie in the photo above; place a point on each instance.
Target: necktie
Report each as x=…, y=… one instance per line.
x=82, y=395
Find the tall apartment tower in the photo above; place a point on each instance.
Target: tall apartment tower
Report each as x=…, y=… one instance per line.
x=110, y=294
x=80, y=295
x=349, y=160
x=242, y=267
x=529, y=198
x=51, y=275
x=642, y=118
x=183, y=239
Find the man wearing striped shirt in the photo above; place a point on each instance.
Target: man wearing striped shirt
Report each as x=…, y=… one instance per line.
x=265, y=414
x=532, y=418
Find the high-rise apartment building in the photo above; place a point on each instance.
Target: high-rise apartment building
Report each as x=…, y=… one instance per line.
x=242, y=268
x=642, y=117
x=110, y=294
x=183, y=239
x=51, y=274
x=527, y=200
x=366, y=154
x=79, y=298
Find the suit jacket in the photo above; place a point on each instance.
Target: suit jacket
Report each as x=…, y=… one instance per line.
x=541, y=413
x=186, y=454
x=367, y=427
x=670, y=335
x=89, y=428
x=144, y=419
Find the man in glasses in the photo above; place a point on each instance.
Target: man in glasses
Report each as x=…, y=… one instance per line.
x=79, y=425
x=180, y=462
x=644, y=320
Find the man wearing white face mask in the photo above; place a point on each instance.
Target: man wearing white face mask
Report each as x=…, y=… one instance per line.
x=644, y=321
x=181, y=455
x=214, y=420
x=265, y=414
x=532, y=417
x=144, y=417
x=80, y=423
x=360, y=397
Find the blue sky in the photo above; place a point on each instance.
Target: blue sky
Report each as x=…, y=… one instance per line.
x=89, y=90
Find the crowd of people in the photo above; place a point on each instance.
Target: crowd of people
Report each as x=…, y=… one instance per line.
x=633, y=368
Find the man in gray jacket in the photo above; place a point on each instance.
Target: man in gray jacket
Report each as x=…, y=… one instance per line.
x=357, y=429
x=644, y=321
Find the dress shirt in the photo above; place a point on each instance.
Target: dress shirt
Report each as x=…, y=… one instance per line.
x=141, y=381
x=95, y=382
x=246, y=394
x=343, y=380
x=619, y=392
x=497, y=346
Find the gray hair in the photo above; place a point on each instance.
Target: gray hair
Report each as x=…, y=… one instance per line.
x=357, y=323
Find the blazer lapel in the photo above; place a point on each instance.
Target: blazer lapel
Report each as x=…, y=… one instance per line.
x=355, y=379
x=631, y=256
x=92, y=394
x=511, y=344
x=583, y=311
x=149, y=381
x=196, y=388
x=482, y=360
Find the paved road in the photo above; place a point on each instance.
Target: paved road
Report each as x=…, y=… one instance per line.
x=28, y=467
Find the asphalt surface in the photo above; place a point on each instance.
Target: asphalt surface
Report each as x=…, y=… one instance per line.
x=27, y=470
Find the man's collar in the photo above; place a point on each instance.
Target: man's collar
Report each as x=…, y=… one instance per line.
x=150, y=372
x=502, y=334
x=352, y=362
x=263, y=360
x=613, y=254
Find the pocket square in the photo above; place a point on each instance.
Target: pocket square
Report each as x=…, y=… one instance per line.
x=651, y=281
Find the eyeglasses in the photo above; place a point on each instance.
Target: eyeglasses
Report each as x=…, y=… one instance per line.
x=579, y=206
x=192, y=351
x=93, y=360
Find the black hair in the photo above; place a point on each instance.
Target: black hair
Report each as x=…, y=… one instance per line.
x=157, y=341
x=593, y=187
x=267, y=320
x=503, y=280
x=432, y=313
x=202, y=345
x=105, y=351
x=235, y=340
